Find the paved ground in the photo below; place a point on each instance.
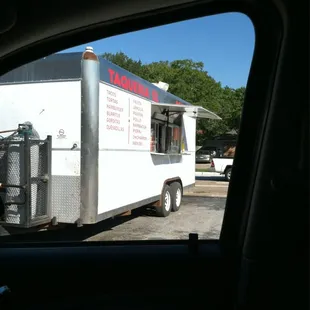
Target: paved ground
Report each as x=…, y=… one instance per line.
x=202, y=212
x=200, y=215
x=209, y=185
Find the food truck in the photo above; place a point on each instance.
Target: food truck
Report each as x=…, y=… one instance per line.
x=83, y=140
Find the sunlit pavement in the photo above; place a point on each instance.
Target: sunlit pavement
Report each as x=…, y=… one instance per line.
x=209, y=184
x=201, y=212
x=200, y=215
x=208, y=174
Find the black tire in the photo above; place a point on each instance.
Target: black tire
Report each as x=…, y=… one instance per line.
x=228, y=174
x=177, y=194
x=166, y=196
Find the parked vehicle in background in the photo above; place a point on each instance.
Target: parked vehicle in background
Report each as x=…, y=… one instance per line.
x=222, y=166
x=222, y=145
x=203, y=156
x=223, y=162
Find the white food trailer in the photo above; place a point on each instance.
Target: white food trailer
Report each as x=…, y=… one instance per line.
x=84, y=140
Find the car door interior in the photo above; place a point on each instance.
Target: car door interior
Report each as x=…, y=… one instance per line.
x=254, y=262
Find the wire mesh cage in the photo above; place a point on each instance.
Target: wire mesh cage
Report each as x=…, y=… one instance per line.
x=25, y=174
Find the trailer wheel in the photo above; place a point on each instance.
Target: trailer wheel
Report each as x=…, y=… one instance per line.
x=228, y=174
x=166, y=199
x=177, y=193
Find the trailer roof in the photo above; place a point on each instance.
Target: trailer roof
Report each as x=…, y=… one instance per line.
x=67, y=66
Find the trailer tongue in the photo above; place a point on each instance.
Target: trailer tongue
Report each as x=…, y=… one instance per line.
x=114, y=142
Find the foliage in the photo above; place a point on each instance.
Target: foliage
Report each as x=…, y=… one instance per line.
x=188, y=80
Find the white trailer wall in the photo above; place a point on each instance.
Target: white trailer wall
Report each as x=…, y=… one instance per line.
x=54, y=108
x=129, y=173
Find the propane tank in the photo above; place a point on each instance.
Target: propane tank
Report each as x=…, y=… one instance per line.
x=34, y=165
x=17, y=214
x=14, y=214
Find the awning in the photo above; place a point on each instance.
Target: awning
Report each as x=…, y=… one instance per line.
x=189, y=110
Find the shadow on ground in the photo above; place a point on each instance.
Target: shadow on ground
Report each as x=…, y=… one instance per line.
x=69, y=233
x=212, y=203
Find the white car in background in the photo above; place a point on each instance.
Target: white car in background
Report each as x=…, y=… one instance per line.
x=222, y=165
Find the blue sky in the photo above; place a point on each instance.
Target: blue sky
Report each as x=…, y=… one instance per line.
x=224, y=43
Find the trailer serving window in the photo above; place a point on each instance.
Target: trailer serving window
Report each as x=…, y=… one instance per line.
x=167, y=128
x=165, y=137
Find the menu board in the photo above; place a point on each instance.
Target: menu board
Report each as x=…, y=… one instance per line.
x=140, y=123
x=124, y=120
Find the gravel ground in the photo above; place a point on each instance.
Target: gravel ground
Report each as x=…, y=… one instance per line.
x=202, y=215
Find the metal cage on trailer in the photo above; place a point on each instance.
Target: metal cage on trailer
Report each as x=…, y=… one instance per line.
x=108, y=142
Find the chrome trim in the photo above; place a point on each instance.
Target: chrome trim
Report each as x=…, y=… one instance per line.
x=89, y=136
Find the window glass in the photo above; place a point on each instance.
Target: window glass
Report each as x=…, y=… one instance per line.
x=145, y=149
